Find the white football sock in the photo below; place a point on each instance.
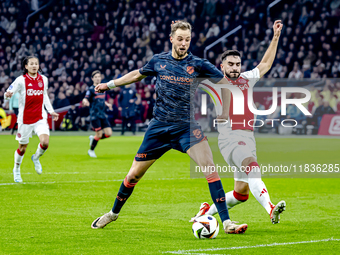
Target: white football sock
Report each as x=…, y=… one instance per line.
x=17, y=160
x=39, y=152
x=259, y=190
x=230, y=200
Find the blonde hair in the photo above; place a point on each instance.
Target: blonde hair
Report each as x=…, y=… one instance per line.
x=179, y=24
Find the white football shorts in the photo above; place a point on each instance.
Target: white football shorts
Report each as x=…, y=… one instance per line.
x=25, y=131
x=235, y=146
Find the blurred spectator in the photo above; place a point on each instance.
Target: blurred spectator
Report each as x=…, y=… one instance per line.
x=321, y=110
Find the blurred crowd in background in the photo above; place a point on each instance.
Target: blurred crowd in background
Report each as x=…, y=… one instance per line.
x=72, y=38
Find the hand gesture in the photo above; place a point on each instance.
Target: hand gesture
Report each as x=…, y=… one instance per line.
x=55, y=116
x=277, y=27
x=101, y=87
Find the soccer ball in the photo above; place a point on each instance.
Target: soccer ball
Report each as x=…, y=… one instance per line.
x=205, y=226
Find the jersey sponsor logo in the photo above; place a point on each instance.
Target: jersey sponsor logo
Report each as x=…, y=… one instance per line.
x=33, y=92
x=18, y=135
x=40, y=84
x=141, y=155
x=190, y=69
x=29, y=85
x=10, y=87
x=241, y=143
x=334, y=127
x=163, y=66
x=176, y=79
x=197, y=133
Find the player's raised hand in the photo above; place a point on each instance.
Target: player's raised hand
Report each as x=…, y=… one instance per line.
x=55, y=116
x=277, y=27
x=8, y=94
x=101, y=87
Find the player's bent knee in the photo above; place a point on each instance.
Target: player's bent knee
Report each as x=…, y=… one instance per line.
x=241, y=188
x=248, y=161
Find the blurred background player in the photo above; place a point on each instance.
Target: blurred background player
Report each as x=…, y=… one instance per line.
x=237, y=142
x=127, y=106
x=99, y=119
x=173, y=125
x=32, y=88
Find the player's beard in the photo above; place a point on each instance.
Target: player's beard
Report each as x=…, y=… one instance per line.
x=230, y=77
x=179, y=53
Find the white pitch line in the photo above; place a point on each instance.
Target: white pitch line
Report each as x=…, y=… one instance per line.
x=87, y=181
x=189, y=252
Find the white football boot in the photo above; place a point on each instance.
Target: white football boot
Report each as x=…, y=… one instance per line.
x=37, y=165
x=230, y=227
x=102, y=221
x=17, y=175
x=276, y=211
x=203, y=210
x=92, y=154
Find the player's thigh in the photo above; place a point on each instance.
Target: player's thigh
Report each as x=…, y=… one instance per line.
x=155, y=143
x=106, y=126
x=96, y=124
x=201, y=154
x=42, y=130
x=138, y=169
x=24, y=133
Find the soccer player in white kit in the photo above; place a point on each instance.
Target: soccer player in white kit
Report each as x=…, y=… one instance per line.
x=32, y=88
x=236, y=141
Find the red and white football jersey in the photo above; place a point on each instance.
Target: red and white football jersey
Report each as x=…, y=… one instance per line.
x=33, y=98
x=244, y=82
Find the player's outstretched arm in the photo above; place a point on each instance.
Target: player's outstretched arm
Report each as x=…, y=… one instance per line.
x=268, y=58
x=128, y=78
x=226, y=97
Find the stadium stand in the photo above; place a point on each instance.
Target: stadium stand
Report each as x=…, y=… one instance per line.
x=75, y=37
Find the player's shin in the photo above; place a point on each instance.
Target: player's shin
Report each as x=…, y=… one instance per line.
x=123, y=194
x=232, y=198
x=218, y=195
x=18, y=156
x=258, y=188
x=40, y=151
x=94, y=142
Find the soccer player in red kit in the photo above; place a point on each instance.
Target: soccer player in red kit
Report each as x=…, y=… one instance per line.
x=32, y=88
x=236, y=141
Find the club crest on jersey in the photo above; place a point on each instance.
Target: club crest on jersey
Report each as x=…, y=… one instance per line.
x=197, y=133
x=40, y=84
x=242, y=81
x=190, y=69
x=18, y=135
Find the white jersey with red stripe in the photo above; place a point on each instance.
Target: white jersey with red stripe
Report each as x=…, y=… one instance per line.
x=244, y=82
x=33, y=98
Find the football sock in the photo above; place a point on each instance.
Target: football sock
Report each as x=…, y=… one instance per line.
x=232, y=198
x=40, y=151
x=218, y=195
x=258, y=188
x=105, y=136
x=94, y=142
x=18, y=156
x=123, y=194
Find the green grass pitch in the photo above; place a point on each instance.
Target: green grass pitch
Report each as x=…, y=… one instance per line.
x=52, y=213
